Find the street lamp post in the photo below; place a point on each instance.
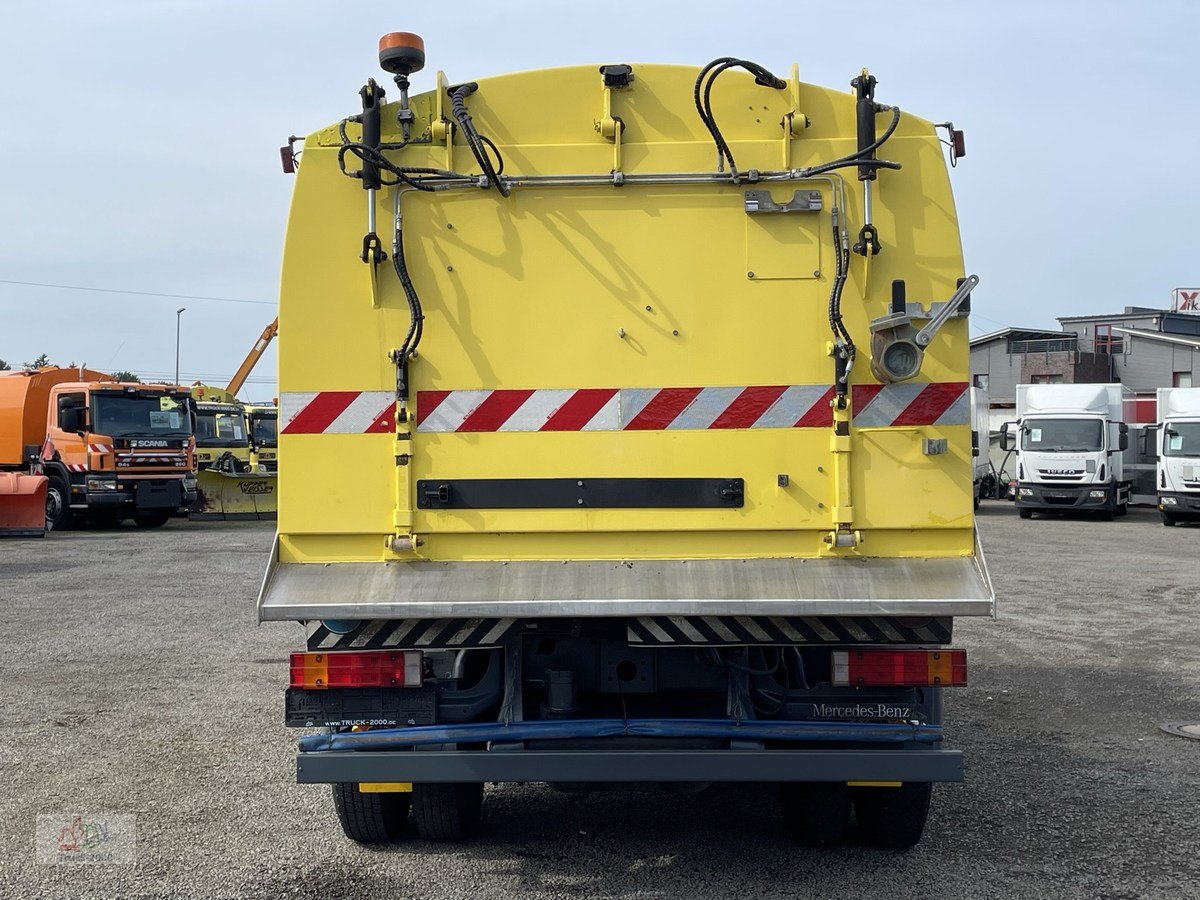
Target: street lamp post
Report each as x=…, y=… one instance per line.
x=178, y=317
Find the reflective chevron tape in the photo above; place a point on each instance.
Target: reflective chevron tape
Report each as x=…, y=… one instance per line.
x=100, y=448
x=911, y=403
x=76, y=467
x=337, y=412
x=744, y=630
x=412, y=634
x=626, y=409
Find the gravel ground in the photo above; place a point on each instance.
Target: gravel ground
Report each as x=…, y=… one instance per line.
x=136, y=682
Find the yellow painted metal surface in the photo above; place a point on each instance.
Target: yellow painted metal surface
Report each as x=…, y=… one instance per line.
x=637, y=286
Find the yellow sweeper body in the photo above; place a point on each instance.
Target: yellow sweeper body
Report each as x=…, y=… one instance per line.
x=562, y=394
x=662, y=286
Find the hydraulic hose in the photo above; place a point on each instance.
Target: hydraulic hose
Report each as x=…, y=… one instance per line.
x=702, y=94
x=477, y=142
x=416, y=324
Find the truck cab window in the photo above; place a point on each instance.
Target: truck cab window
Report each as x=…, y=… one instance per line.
x=140, y=415
x=1182, y=439
x=1059, y=435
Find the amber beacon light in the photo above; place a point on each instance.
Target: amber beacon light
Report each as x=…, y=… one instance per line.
x=401, y=53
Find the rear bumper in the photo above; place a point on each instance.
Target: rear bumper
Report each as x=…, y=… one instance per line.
x=630, y=765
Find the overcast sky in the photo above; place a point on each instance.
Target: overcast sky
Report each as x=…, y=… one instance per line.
x=140, y=147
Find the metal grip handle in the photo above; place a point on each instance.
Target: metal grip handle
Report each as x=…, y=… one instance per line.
x=926, y=334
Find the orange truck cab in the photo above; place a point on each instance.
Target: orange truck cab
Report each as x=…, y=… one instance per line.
x=110, y=450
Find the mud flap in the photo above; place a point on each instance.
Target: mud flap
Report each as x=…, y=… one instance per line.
x=221, y=495
x=22, y=505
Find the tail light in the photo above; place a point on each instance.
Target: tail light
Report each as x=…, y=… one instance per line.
x=352, y=668
x=899, y=668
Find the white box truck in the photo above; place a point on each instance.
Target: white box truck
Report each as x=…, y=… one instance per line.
x=981, y=443
x=1069, y=440
x=1178, y=440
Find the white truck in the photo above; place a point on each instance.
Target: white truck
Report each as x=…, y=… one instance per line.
x=980, y=442
x=1178, y=439
x=1069, y=440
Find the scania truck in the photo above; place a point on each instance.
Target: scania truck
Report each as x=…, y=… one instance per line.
x=638, y=449
x=110, y=450
x=1178, y=455
x=1070, y=440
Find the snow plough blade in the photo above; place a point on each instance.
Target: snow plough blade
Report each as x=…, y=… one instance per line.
x=231, y=496
x=22, y=505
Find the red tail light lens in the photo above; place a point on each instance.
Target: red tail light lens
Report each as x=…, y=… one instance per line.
x=353, y=668
x=899, y=668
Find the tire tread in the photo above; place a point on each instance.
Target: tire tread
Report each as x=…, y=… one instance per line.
x=369, y=818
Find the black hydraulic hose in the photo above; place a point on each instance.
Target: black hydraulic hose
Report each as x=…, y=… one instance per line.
x=841, y=334
x=416, y=325
x=702, y=95
x=476, y=141
x=856, y=158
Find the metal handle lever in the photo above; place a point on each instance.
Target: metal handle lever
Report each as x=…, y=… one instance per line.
x=926, y=334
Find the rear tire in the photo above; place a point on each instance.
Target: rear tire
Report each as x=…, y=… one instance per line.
x=1169, y=520
x=815, y=813
x=447, y=813
x=147, y=520
x=894, y=818
x=370, y=818
x=1025, y=513
x=58, y=504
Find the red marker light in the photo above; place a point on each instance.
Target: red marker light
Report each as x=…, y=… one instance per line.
x=958, y=139
x=899, y=668
x=353, y=668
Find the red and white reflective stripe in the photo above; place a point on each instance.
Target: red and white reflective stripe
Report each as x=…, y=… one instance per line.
x=99, y=448
x=76, y=467
x=337, y=412
x=911, y=403
x=625, y=409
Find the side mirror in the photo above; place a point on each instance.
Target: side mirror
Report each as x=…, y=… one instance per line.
x=70, y=417
x=1008, y=441
x=1148, y=441
x=975, y=443
x=1123, y=440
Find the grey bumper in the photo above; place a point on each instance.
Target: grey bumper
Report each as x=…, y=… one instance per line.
x=1185, y=505
x=1068, y=496
x=629, y=765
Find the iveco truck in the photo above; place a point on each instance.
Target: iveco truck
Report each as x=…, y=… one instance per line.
x=611, y=459
x=1179, y=455
x=1070, y=440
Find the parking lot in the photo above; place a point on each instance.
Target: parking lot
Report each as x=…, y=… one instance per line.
x=137, y=682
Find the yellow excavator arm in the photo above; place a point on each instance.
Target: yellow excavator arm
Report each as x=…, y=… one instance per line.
x=252, y=358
